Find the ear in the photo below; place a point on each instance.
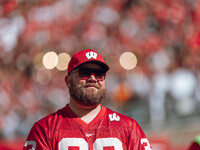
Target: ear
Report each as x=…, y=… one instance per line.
x=67, y=79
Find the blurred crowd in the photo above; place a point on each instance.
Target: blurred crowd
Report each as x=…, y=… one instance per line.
x=163, y=34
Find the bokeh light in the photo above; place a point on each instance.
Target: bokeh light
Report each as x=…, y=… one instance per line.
x=128, y=60
x=37, y=61
x=63, y=60
x=43, y=76
x=50, y=60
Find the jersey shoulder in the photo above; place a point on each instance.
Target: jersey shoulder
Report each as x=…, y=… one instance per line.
x=116, y=116
x=123, y=122
x=52, y=118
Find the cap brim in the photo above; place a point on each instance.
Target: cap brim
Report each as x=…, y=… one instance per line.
x=103, y=65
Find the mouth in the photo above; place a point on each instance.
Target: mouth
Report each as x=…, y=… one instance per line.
x=91, y=86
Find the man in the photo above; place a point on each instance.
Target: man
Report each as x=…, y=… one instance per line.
x=84, y=124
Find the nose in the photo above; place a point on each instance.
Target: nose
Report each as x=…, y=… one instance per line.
x=92, y=77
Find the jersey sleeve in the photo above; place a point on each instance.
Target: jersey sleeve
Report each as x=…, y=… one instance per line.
x=37, y=139
x=137, y=139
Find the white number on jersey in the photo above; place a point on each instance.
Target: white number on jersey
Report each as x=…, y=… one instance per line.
x=32, y=143
x=65, y=143
x=99, y=144
x=147, y=147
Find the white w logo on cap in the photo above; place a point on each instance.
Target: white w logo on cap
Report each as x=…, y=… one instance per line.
x=90, y=55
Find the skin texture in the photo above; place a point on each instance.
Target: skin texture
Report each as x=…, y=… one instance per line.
x=86, y=95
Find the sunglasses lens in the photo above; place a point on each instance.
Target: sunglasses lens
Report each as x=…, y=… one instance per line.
x=99, y=75
x=86, y=73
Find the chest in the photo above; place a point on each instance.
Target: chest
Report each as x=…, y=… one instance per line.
x=84, y=138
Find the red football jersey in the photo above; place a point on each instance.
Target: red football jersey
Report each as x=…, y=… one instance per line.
x=63, y=130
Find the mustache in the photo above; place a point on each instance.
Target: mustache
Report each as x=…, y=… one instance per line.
x=92, y=84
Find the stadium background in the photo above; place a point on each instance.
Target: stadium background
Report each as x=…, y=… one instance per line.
x=157, y=82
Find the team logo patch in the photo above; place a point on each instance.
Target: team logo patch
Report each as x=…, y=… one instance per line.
x=114, y=117
x=88, y=135
x=90, y=55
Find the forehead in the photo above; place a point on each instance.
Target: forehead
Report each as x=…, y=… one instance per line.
x=90, y=66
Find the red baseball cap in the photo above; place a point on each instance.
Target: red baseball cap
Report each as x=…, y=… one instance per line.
x=86, y=56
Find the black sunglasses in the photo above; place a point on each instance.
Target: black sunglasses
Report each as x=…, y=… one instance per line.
x=85, y=73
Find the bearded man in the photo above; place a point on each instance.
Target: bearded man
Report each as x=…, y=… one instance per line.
x=84, y=123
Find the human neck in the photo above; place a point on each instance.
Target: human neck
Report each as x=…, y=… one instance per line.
x=84, y=113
